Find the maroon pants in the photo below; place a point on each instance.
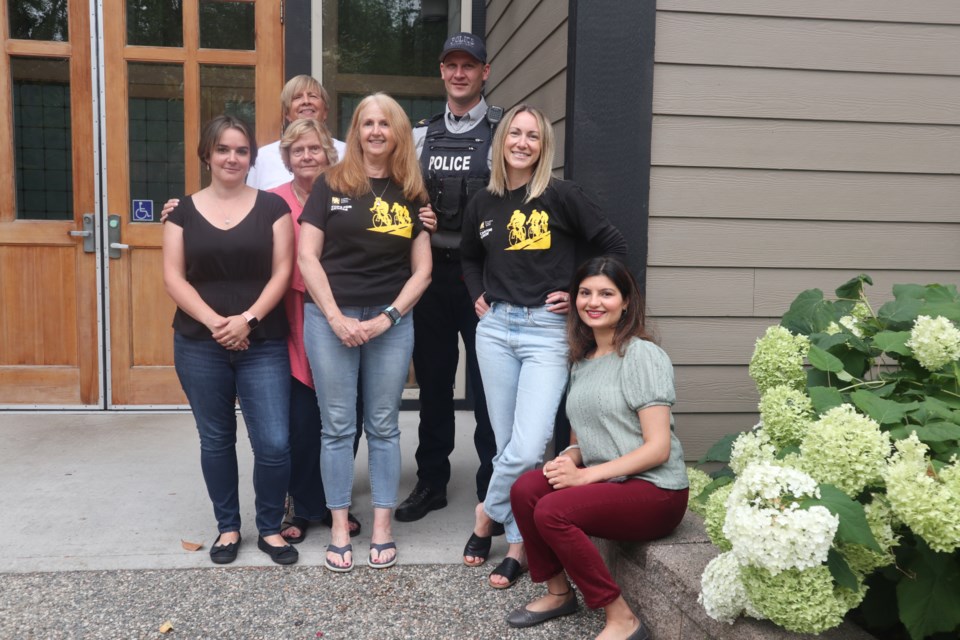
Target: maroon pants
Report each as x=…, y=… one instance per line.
x=556, y=526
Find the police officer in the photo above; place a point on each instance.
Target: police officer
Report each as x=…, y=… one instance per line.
x=454, y=149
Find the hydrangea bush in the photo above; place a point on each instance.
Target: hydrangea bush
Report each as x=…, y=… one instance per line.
x=846, y=496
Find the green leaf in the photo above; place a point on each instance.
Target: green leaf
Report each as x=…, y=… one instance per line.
x=720, y=451
x=949, y=310
x=840, y=571
x=853, y=520
x=881, y=410
x=824, y=360
x=929, y=596
x=708, y=490
x=852, y=289
x=900, y=313
x=809, y=313
x=936, y=432
x=893, y=342
x=824, y=398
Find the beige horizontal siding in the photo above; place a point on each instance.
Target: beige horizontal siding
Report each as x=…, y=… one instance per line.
x=776, y=42
x=699, y=431
x=803, y=195
x=806, y=95
x=803, y=244
x=921, y=11
x=793, y=144
x=701, y=390
x=710, y=341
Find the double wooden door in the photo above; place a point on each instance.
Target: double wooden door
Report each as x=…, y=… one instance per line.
x=101, y=104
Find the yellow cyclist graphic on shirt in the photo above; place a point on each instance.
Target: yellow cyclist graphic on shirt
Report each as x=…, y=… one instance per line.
x=529, y=233
x=395, y=221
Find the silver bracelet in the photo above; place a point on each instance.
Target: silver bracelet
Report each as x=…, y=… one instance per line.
x=573, y=446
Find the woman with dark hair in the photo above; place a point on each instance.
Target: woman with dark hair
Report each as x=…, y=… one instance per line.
x=623, y=478
x=521, y=236
x=365, y=259
x=227, y=258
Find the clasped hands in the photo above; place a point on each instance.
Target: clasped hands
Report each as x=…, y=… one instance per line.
x=562, y=472
x=232, y=333
x=353, y=332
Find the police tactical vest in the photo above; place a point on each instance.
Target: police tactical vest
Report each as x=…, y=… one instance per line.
x=454, y=168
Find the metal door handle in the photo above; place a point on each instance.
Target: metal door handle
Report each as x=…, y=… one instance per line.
x=89, y=239
x=119, y=245
x=113, y=237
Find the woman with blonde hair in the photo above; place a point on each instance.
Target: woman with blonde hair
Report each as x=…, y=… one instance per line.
x=521, y=238
x=365, y=259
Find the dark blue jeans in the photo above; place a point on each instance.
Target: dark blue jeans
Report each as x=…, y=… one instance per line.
x=213, y=378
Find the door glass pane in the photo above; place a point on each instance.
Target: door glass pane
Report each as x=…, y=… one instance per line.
x=228, y=90
x=38, y=19
x=388, y=37
x=41, y=134
x=417, y=107
x=226, y=25
x=155, y=112
x=155, y=23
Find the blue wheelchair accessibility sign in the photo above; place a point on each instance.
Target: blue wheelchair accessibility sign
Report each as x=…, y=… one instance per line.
x=142, y=211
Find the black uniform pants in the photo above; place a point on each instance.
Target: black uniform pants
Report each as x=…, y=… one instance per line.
x=444, y=311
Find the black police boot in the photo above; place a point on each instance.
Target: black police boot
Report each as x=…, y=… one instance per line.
x=422, y=500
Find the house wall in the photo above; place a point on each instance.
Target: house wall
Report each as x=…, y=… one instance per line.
x=527, y=50
x=795, y=144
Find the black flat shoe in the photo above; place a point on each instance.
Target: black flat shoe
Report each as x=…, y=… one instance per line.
x=509, y=569
x=327, y=521
x=640, y=634
x=224, y=553
x=477, y=547
x=286, y=554
x=523, y=617
x=300, y=523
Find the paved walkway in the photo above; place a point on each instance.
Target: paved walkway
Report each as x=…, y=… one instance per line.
x=94, y=508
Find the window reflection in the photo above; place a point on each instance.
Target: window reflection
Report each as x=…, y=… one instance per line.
x=42, y=138
x=156, y=139
x=388, y=38
x=228, y=90
x=155, y=23
x=38, y=19
x=227, y=25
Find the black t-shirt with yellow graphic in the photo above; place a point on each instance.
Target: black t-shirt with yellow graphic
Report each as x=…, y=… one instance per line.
x=367, y=240
x=519, y=252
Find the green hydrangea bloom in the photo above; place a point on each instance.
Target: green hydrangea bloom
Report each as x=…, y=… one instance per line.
x=927, y=502
x=786, y=413
x=751, y=446
x=804, y=601
x=715, y=515
x=698, y=480
x=864, y=561
x=861, y=312
x=845, y=449
x=935, y=342
x=778, y=359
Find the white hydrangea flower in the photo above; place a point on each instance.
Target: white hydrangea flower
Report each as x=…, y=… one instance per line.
x=765, y=525
x=778, y=359
x=935, y=342
x=832, y=329
x=851, y=324
x=786, y=413
x=751, y=446
x=698, y=480
x=846, y=449
x=928, y=503
x=721, y=593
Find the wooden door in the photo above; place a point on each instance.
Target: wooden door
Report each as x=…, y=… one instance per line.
x=164, y=78
x=49, y=341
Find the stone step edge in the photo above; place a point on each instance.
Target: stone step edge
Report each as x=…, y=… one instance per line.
x=661, y=580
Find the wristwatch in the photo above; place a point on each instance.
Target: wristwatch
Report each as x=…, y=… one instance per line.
x=251, y=319
x=393, y=314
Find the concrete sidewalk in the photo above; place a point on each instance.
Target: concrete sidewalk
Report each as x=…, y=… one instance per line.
x=121, y=490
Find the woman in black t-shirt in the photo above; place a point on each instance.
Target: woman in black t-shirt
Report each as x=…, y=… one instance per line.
x=519, y=250
x=227, y=259
x=365, y=261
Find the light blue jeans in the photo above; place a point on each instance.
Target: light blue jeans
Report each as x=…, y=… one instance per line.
x=522, y=353
x=382, y=365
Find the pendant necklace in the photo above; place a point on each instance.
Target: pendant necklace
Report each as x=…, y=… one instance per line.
x=379, y=198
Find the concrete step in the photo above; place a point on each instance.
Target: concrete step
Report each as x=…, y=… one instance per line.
x=661, y=580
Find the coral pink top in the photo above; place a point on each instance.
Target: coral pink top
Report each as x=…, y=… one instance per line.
x=293, y=300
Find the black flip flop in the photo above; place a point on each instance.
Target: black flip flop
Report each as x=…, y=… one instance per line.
x=509, y=569
x=327, y=521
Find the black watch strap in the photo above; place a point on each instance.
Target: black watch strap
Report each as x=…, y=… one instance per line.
x=393, y=314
